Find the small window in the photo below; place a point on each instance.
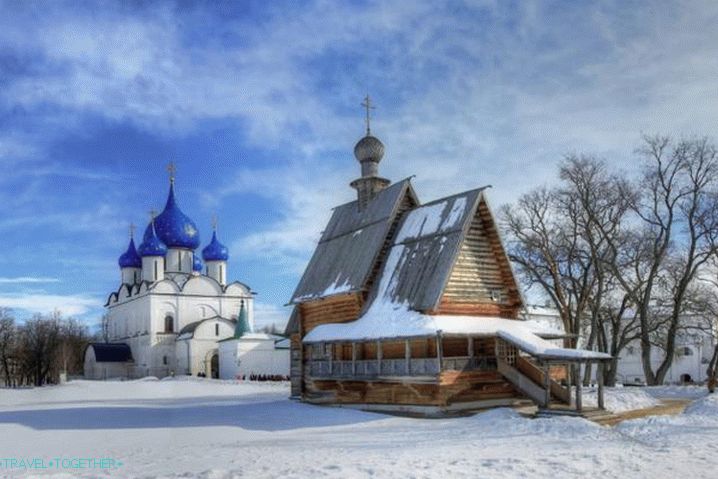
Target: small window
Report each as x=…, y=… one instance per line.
x=686, y=351
x=630, y=350
x=169, y=324
x=164, y=360
x=216, y=329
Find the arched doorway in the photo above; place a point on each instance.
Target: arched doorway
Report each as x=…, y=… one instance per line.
x=214, y=366
x=686, y=379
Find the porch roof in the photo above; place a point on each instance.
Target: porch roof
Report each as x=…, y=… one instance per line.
x=396, y=321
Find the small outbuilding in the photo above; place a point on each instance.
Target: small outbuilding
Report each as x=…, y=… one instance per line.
x=108, y=361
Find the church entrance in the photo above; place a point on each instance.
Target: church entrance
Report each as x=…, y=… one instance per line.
x=214, y=366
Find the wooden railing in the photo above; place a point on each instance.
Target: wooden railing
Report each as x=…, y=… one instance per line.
x=397, y=367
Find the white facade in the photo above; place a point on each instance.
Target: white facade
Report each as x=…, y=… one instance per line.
x=150, y=316
x=104, y=370
x=693, y=350
x=253, y=353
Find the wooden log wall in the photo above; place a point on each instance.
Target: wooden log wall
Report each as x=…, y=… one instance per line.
x=452, y=387
x=334, y=309
x=481, y=269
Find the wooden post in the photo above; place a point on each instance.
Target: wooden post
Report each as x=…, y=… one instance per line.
x=354, y=359
x=547, y=383
x=331, y=358
x=470, y=351
x=599, y=379
x=407, y=356
x=577, y=379
x=439, y=352
x=569, y=377
x=378, y=357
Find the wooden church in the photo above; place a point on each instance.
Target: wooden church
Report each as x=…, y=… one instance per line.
x=411, y=307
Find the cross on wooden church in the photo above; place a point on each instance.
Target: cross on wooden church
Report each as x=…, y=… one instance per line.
x=367, y=105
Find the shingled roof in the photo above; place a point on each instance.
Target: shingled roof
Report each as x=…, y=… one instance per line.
x=423, y=251
x=350, y=245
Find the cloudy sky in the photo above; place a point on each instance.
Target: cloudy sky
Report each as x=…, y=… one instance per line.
x=258, y=104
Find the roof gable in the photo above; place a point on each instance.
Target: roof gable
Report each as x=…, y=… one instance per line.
x=350, y=244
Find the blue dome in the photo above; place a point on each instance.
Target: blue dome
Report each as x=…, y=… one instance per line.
x=130, y=258
x=215, y=251
x=151, y=244
x=174, y=228
x=197, y=264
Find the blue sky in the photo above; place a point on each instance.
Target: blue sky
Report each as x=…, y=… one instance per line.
x=258, y=105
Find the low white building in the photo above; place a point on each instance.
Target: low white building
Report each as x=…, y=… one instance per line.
x=694, y=348
x=248, y=354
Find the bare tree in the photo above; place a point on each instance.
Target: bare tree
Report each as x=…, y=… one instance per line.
x=8, y=333
x=678, y=215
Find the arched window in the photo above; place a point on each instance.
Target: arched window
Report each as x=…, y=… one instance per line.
x=169, y=324
x=216, y=329
x=687, y=351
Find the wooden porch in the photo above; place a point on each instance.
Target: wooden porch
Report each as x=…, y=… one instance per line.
x=552, y=383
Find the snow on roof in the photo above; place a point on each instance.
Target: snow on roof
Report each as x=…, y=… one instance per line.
x=349, y=245
x=386, y=321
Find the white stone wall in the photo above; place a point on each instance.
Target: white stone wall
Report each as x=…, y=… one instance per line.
x=138, y=319
x=246, y=356
x=104, y=370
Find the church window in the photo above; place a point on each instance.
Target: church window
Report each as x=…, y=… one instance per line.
x=169, y=324
x=221, y=272
x=216, y=329
x=155, y=278
x=164, y=360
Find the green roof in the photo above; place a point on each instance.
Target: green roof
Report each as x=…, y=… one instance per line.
x=242, y=326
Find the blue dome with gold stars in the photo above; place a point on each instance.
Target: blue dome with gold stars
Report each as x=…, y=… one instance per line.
x=130, y=258
x=151, y=244
x=215, y=251
x=174, y=228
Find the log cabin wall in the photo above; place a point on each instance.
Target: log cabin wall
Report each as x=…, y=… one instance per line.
x=334, y=309
x=452, y=387
x=481, y=282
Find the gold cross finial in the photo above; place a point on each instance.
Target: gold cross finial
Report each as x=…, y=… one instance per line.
x=172, y=169
x=214, y=222
x=132, y=230
x=367, y=105
x=153, y=215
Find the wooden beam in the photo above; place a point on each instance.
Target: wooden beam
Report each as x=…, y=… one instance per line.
x=354, y=358
x=577, y=380
x=599, y=379
x=407, y=355
x=470, y=347
x=547, y=382
x=439, y=352
x=378, y=357
x=331, y=358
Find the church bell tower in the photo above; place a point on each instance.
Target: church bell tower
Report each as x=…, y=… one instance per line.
x=368, y=151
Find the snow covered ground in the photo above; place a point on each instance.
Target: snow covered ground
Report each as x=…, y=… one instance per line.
x=218, y=429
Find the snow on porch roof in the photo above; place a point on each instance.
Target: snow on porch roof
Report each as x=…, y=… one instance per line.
x=397, y=321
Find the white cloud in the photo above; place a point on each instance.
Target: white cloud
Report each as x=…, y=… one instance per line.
x=28, y=279
x=69, y=305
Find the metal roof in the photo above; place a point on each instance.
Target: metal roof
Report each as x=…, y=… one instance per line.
x=111, y=352
x=423, y=252
x=350, y=244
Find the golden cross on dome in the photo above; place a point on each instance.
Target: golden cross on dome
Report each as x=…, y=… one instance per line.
x=214, y=222
x=172, y=169
x=153, y=215
x=132, y=230
x=367, y=105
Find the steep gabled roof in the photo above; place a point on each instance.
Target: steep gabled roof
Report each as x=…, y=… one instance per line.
x=350, y=245
x=423, y=252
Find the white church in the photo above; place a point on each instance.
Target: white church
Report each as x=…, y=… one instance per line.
x=173, y=307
